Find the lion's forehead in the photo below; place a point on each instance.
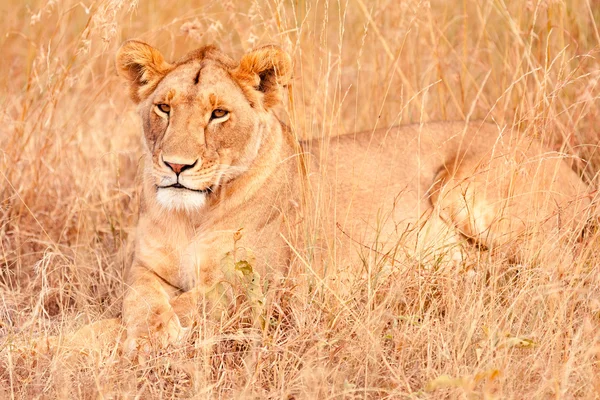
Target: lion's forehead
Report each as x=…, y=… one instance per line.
x=196, y=81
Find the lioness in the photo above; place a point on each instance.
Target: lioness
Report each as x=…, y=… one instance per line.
x=218, y=160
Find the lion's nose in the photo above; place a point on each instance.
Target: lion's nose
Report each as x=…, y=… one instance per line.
x=179, y=168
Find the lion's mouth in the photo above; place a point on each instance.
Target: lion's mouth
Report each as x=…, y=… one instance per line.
x=180, y=186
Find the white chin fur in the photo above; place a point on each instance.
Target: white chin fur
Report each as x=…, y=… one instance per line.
x=180, y=199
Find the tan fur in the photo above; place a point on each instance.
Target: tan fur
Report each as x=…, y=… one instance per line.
x=264, y=69
x=246, y=163
x=396, y=192
x=403, y=191
x=143, y=65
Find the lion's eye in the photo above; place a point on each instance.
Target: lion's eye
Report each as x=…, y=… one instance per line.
x=218, y=113
x=164, y=108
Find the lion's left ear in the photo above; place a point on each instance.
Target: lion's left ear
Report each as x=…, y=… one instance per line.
x=143, y=66
x=265, y=71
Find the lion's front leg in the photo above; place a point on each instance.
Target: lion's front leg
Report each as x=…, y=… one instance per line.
x=221, y=287
x=209, y=298
x=147, y=313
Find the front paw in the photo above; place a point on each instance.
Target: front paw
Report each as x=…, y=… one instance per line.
x=156, y=331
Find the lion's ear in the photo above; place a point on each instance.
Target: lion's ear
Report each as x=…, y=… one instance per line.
x=265, y=70
x=143, y=66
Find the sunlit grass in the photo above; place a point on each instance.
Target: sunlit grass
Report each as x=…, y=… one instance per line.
x=69, y=148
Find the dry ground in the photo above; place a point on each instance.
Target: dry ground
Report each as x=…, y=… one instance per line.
x=69, y=144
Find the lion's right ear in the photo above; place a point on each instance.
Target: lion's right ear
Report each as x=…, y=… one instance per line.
x=143, y=66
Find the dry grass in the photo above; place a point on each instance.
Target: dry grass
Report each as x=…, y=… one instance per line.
x=70, y=141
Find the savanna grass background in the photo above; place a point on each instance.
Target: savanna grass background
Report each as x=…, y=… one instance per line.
x=70, y=143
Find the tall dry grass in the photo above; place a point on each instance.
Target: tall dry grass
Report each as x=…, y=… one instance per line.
x=70, y=141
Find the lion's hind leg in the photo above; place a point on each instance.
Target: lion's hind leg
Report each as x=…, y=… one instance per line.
x=525, y=207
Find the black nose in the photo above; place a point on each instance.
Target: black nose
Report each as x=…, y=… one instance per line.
x=179, y=168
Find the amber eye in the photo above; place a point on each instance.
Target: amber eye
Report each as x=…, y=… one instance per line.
x=218, y=113
x=164, y=108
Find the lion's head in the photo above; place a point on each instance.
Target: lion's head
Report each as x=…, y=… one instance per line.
x=204, y=116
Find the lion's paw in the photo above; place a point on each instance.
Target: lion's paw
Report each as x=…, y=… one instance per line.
x=157, y=333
